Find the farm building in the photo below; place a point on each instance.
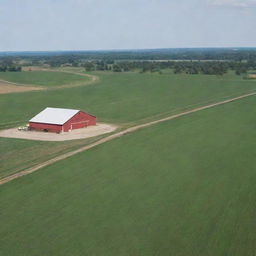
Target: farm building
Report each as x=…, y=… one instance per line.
x=61, y=120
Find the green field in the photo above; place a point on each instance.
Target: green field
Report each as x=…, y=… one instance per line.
x=126, y=98
x=43, y=78
x=183, y=187
x=18, y=154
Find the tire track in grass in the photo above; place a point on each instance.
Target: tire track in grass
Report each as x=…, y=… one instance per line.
x=117, y=135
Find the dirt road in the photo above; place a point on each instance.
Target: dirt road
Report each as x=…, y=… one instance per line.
x=117, y=135
x=92, y=77
x=10, y=87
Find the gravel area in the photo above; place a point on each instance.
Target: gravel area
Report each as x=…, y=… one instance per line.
x=91, y=131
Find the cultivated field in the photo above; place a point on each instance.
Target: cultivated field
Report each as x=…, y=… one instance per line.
x=182, y=187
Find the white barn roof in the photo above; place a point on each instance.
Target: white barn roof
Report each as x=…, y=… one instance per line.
x=54, y=116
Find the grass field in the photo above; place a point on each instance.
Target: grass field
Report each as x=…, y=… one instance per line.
x=17, y=154
x=183, y=187
x=43, y=78
x=126, y=98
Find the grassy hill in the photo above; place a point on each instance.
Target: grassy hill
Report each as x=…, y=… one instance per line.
x=183, y=187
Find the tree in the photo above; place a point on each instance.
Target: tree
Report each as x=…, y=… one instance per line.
x=116, y=68
x=240, y=70
x=89, y=66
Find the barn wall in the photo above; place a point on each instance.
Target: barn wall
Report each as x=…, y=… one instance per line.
x=41, y=127
x=80, y=120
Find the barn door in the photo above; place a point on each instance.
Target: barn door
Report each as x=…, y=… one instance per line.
x=79, y=125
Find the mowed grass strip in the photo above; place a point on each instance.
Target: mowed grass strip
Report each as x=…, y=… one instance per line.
x=43, y=78
x=127, y=98
x=183, y=187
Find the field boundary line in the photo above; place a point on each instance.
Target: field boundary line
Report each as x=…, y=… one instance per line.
x=117, y=135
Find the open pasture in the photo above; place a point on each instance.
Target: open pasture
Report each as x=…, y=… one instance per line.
x=183, y=187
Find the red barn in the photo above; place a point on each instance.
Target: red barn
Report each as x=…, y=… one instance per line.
x=61, y=120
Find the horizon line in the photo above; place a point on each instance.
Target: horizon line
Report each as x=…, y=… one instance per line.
x=129, y=49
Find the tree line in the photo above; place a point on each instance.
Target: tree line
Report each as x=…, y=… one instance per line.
x=189, y=61
x=187, y=67
x=235, y=54
x=8, y=65
x=10, y=68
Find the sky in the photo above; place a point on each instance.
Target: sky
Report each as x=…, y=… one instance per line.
x=48, y=25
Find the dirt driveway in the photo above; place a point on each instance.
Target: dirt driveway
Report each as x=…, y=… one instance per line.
x=91, y=131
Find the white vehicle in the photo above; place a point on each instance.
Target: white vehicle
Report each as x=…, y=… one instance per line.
x=23, y=128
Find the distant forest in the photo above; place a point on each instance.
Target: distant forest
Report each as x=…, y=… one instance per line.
x=216, y=61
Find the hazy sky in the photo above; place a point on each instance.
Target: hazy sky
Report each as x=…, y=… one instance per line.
x=125, y=24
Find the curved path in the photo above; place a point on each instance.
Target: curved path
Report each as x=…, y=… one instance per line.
x=117, y=135
x=93, y=78
x=12, y=87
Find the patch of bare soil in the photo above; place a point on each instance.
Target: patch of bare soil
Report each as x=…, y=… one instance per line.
x=252, y=76
x=7, y=87
x=91, y=131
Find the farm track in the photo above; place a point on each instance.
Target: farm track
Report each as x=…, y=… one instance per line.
x=19, y=84
x=11, y=87
x=92, y=77
x=19, y=87
x=117, y=135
